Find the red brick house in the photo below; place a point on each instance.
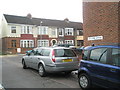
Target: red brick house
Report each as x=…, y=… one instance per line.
x=22, y=33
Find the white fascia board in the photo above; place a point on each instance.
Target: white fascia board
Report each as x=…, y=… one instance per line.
x=19, y=24
x=101, y=0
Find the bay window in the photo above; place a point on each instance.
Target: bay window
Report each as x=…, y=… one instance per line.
x=69, y=42
x=27, y=43
x=69, y=31
x=44, y=43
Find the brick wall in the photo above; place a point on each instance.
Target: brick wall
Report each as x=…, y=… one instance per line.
x=7, y=46
x=101, y=19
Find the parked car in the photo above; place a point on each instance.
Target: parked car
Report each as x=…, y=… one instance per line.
x=100, y=66
x=51, y=59
x=78, y=52
x=27, y=52
x=64, y=45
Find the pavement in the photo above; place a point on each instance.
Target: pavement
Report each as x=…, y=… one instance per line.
x=11, y=55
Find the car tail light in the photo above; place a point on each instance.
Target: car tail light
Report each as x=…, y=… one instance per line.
x=53, y=56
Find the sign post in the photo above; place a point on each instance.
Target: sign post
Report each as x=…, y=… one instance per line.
x=95, y=38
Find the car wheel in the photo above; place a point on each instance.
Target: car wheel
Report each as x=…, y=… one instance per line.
x=84, y=81
x=24, y=65
x=42, y=71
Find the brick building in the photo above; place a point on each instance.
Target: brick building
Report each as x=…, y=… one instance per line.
x=101, y=22
x=22, y=33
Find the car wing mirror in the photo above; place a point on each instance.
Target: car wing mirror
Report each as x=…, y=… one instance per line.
x=28, y=54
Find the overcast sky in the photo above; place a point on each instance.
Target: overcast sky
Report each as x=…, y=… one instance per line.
x=49, y=9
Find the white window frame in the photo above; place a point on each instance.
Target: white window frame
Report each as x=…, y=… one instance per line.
x=69, y=31
x=53, y=32
x=78, y=32
x=44, y=43
x=27, y=43
x=42, y=30
x=60, y=42
x=26, y=29
x=62, y=32
x=13, y=28
x=69, y=42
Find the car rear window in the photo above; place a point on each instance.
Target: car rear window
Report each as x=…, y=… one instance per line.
x=64, y=53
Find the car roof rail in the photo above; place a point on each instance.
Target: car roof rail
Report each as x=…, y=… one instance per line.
x=105, y=43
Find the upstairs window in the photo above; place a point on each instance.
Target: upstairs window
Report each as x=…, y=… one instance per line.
x=69, y=31
x=13, y=29
x=79, y=32
x=26, y=30
x=53, y=32
x=61, y=31
x=43, y=30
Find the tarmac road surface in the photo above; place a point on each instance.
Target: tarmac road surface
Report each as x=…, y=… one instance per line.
x=14, y=76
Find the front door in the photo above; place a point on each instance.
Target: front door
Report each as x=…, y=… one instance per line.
x=53, y=42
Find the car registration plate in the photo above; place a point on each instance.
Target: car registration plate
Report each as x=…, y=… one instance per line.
x=67, y=60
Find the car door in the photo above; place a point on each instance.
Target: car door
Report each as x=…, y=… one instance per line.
x=36, y=58
x=114, y=69
x=46, y=57
x=98, y=66
x=29, y=58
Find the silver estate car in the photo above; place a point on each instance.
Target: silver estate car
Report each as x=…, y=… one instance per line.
x=51, y=59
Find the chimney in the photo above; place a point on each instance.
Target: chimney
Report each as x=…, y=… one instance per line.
x=66, y=20
x=29, y=16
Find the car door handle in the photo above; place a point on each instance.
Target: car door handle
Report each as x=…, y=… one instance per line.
x=38, y=58
x=88, y=65
x=113, y=70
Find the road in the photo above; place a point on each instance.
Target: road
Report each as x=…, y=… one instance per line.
x=14, y=76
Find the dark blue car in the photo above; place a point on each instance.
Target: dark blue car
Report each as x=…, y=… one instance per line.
x=100, y=66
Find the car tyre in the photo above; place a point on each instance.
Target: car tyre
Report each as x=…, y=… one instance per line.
x=41, y=70
x=24, y=65
x=84, y=81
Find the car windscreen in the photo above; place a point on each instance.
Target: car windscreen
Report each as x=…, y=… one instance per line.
x=64, y=53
